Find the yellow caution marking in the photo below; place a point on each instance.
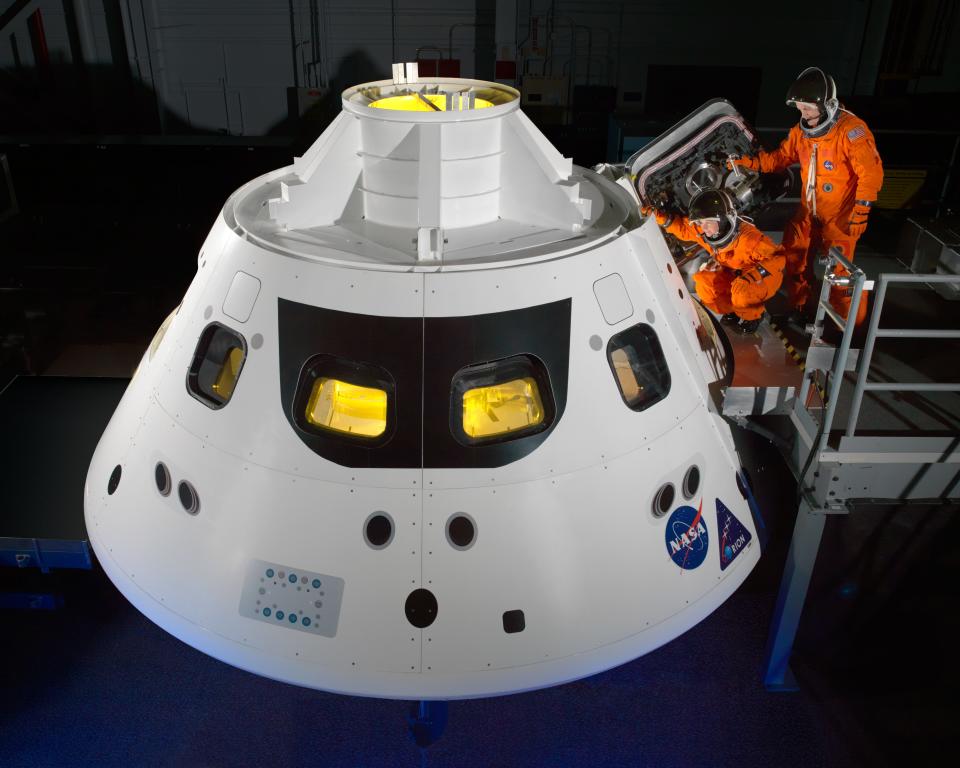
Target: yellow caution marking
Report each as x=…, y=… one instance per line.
x=797, y=357
x=791, y=350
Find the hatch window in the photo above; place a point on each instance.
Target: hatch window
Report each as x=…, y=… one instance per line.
x=639, y=367
x=216, y=365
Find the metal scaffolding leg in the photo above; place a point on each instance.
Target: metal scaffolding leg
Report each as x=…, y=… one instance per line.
x=801, y=558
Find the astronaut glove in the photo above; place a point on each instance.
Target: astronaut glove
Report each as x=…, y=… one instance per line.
x=710, y=265
x=744, y=162
x=858, y=218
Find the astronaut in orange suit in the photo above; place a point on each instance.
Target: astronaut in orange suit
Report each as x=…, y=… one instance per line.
x=841, y=174
x=746, y=266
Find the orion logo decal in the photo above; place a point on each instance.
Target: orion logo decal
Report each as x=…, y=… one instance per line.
x=687, y=537
x=734, y=538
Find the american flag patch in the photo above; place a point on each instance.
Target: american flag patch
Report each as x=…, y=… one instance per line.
x=856, y=133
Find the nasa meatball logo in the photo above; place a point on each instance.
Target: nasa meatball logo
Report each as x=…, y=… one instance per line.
x=828, y=165
x=687, y=537
x=734, y=538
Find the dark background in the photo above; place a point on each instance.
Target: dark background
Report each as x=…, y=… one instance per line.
x=116, y=184
x=123, y=132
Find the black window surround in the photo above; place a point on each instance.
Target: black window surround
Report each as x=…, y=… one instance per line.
x=423, y=356
x=214, y=345
x=643, y=352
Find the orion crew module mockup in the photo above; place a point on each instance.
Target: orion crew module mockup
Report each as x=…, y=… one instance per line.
x=434, y=420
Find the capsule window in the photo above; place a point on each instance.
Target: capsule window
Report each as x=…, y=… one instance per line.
x=639, y=367
x=216, y=365
x=691, y=481
x=500, y=400
x=161, y=476
x=161, y=332
x=189, y=499
x=663, y=501
x=347, y=399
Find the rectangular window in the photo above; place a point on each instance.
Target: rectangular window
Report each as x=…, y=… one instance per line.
x=638, y=366
x=229, y=373
x=343, y=407
x=500, y=400
x=502, y=408
x=345, y=400
x=216, y=365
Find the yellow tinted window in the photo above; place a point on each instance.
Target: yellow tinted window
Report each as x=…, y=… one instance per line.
x=344, y=407
x=161, y=332
x=626, y=378
x=229, y=372
x=502, y=408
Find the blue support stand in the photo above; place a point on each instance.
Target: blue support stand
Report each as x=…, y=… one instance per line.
x=801, y=558
x=426, y=722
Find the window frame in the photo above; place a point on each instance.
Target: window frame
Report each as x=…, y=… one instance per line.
x=199, y=357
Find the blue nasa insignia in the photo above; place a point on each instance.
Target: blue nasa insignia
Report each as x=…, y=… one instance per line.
x=828, y=165
x=734, y=538
x=687, y=537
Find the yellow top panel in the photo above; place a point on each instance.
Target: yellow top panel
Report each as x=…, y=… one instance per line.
x=414, y=102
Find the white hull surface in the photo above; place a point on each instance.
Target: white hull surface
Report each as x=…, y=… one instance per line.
x=571, y=567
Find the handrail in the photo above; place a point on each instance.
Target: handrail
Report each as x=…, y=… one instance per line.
x=874, y=332
x=855, y=278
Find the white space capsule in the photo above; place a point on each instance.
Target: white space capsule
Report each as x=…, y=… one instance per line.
x=433, y=421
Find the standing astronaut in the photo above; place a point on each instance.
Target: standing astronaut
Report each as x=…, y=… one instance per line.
x=841, y=174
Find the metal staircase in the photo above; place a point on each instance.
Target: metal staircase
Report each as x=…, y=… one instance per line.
x=838, y=469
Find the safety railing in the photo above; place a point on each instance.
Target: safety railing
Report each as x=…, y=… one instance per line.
x=874, y=332
x=854, y=279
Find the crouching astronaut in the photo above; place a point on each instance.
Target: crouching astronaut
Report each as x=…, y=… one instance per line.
x=746, y=266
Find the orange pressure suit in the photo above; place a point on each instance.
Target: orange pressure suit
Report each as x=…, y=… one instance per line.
x=841, y=174
x=740, y=286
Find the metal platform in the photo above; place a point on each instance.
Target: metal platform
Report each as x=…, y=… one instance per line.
x=878, y=422
x=51, y=426
x=767, y=374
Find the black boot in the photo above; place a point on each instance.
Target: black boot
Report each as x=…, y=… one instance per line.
x=731, y=318
x=800, y=319
x=746, y=327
